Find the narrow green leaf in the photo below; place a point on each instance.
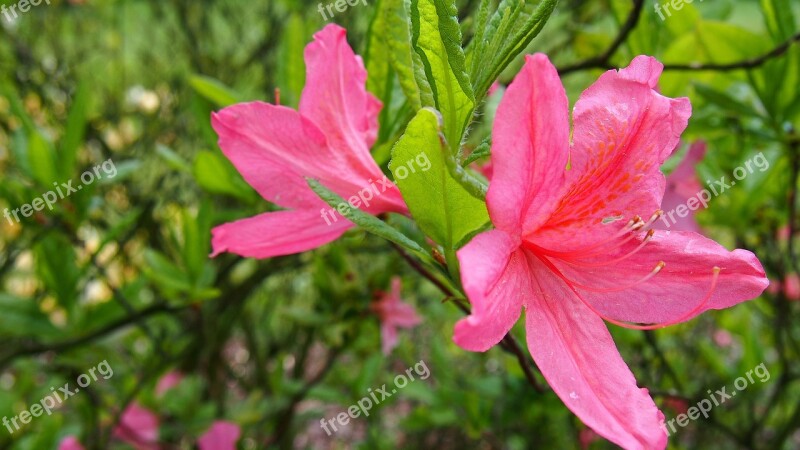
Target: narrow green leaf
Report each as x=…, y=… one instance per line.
x=724, y=100
x=216, y=175
x=366, y=221
x=291, y=76
x=75, y=130
x=214, y=91
x=405, y=61
x=436, y=38
x=42, y=159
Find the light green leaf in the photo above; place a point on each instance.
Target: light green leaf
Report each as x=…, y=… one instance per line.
x=442, y=207
x=42, y=159
x=366, y=221
x=214, y=91
x=75, y=130
x=216, y=175
x=405, y=61
x=436, y=38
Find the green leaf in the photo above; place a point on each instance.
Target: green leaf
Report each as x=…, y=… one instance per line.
x=366, y=221
x=22, y=318
x=442, y=207
x=436, y=38
x=42, y=159
x=724, y=100
x=291, y=74
x=173, y=159
x=164, y=273
x=214, y=91
x=56, y=266
x=75, y=130
x=216, y=175
x=405, y=61
x=779, y=19
x=508, y=33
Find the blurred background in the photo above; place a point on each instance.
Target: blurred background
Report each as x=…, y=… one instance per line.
x=119, y=271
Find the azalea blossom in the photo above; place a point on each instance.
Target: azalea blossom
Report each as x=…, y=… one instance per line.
x=394, y=314
x=70, y=443
x=168, y=381
x=329, y=139
x=138, y=427
x=221, y=436
x=683, y=184
x=573, y=244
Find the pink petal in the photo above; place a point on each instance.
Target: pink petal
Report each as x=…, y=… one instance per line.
x=675, y=290
x=139, y=427
x=624, y=130
x=791, y=286
x=275, y=149
x=530, y=148
x=279, y=233
x=70, y=443
x=578, y=358
x=393, y=314
x=682, y=184
x=168, y=381
x=336, y=99
x=388, y=338
x=221, y=436
x=495, y=276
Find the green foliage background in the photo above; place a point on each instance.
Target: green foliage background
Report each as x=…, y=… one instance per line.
x=120, y=271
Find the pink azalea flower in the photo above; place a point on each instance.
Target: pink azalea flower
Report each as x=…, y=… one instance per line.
x=683, y=184
x=70, y=443
x=791, y=286
x=168, y=381
x=328, y=139
x=138, y=427
x=221, y=436
x=555, y=254
x=394, y=314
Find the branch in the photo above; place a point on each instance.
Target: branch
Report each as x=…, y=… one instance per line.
x=509, y=343
x=37, y=348
x=601, y=61
x=745, y=64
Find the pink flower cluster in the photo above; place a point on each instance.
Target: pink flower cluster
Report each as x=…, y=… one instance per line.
x=573, y=209
x=138, y=426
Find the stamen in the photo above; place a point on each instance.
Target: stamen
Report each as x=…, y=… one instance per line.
x=278, y=96
x=634, y=224
x=656, y=269
x=695, y=310
x=616, y=260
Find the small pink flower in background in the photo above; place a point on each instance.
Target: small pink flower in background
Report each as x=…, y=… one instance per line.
x=586, y=437
x=168, y=381
x=393, y=314
x=70, y=443
x=791, y=286
x=683, y=184
x=138, y=427
x=221, y=436
x=494, y=88
x=677, y=404
x=556, y=255
x=275, y=148
x=723, y=338
x=774, y=287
